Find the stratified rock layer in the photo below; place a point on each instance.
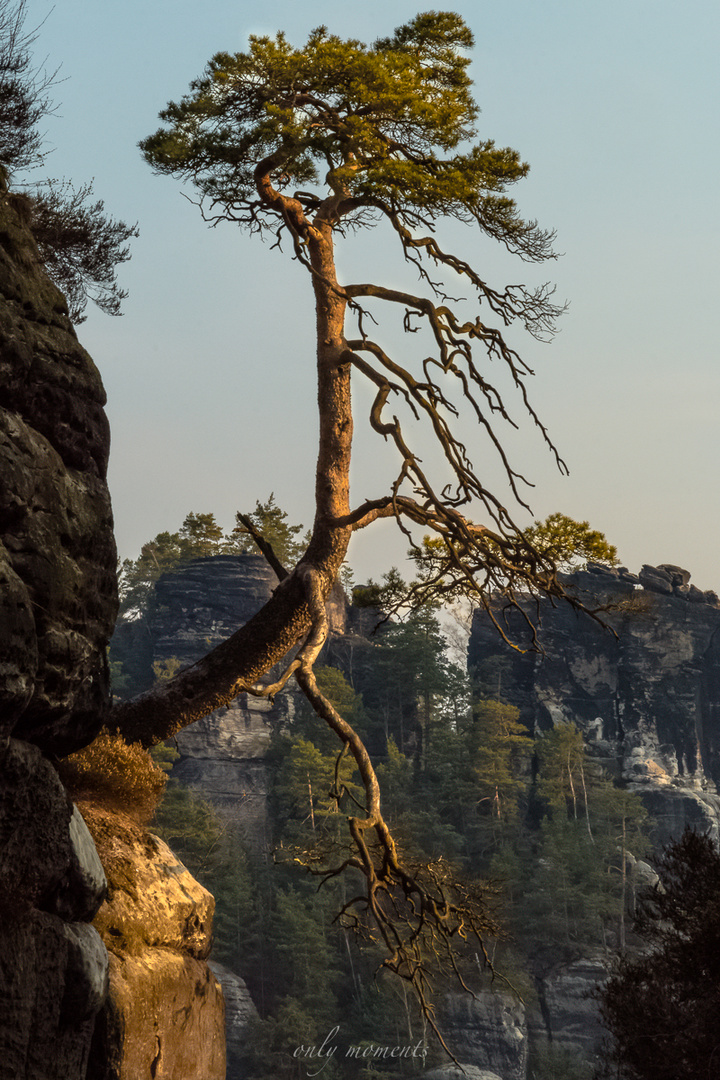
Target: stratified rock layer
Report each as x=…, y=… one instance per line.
x=223, y=755
x=53, y=965
x=646, y=697
x=58, y=595
x=164, y=1017
x=488, y=1031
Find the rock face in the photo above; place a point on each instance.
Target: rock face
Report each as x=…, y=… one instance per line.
x=222, y=755
x=567, y=1015
x=488, y=1032
x=197, y=606
x=58, y=601
x=647, y=697
x=240, y=1015
x=164, y=1016
x=57, y=553
x=53, y=965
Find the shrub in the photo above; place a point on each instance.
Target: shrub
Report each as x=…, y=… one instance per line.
x=115, y=775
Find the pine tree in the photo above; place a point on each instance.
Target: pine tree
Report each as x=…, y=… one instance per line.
x=662, y=1006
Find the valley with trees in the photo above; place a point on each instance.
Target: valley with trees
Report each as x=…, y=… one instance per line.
x=428, y=861
x=534, y=821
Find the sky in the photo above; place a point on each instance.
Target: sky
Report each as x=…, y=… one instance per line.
x=210, y=370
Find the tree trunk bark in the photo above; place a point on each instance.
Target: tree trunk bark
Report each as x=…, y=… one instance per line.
x=255, y=648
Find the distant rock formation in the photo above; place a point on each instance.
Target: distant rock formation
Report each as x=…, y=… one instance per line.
x=645, y=693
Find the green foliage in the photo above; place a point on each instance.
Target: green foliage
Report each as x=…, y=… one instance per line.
x=138, y=576
x=498, y=750
x=80, y=245
x=579, y=888
x=23, y=91
x=566, y=542
x=115, y=775
x=200, y=536
x=387, y=595
x=569, y=543
x=561, y=781
x=272, y=524
x=164, y=670
x=217, y=858
x=191, y=827
x=372, y=121
x=346, y=700
x=661, y=1006
x=164, y=755
x=406, y=679
x=313, y=788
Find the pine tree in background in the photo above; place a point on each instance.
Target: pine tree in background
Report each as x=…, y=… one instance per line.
x=662, y=1006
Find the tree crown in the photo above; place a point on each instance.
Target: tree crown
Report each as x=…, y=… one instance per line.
x=371, y=127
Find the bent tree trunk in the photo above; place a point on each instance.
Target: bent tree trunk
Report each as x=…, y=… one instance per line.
x=238, y=663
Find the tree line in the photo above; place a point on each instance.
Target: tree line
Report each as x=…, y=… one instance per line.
x=529, y=822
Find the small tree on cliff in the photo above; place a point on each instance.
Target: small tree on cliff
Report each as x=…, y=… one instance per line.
x=307, y=145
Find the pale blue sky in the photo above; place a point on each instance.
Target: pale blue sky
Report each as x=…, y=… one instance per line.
x=209, y=372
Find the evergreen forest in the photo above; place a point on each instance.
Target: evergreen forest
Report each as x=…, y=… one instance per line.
x=529, y=823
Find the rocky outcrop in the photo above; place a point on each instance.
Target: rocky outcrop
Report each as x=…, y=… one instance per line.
x=58, y=601
x=488, y=1032
x=58, y=596
x=197, y=606
x=53, y=965
x=164, y=1016
x=240, y=1017
x=566, y=1015
x=645, y=693
x=222, y=755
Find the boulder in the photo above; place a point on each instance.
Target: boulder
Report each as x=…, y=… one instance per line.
x=164, y=1017
x=656, y=579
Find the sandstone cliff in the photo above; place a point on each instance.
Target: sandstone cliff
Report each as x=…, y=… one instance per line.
x=58, y=602
x=164, y=1015
x=57, y=607
x=223, y=755
x=645, y=693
